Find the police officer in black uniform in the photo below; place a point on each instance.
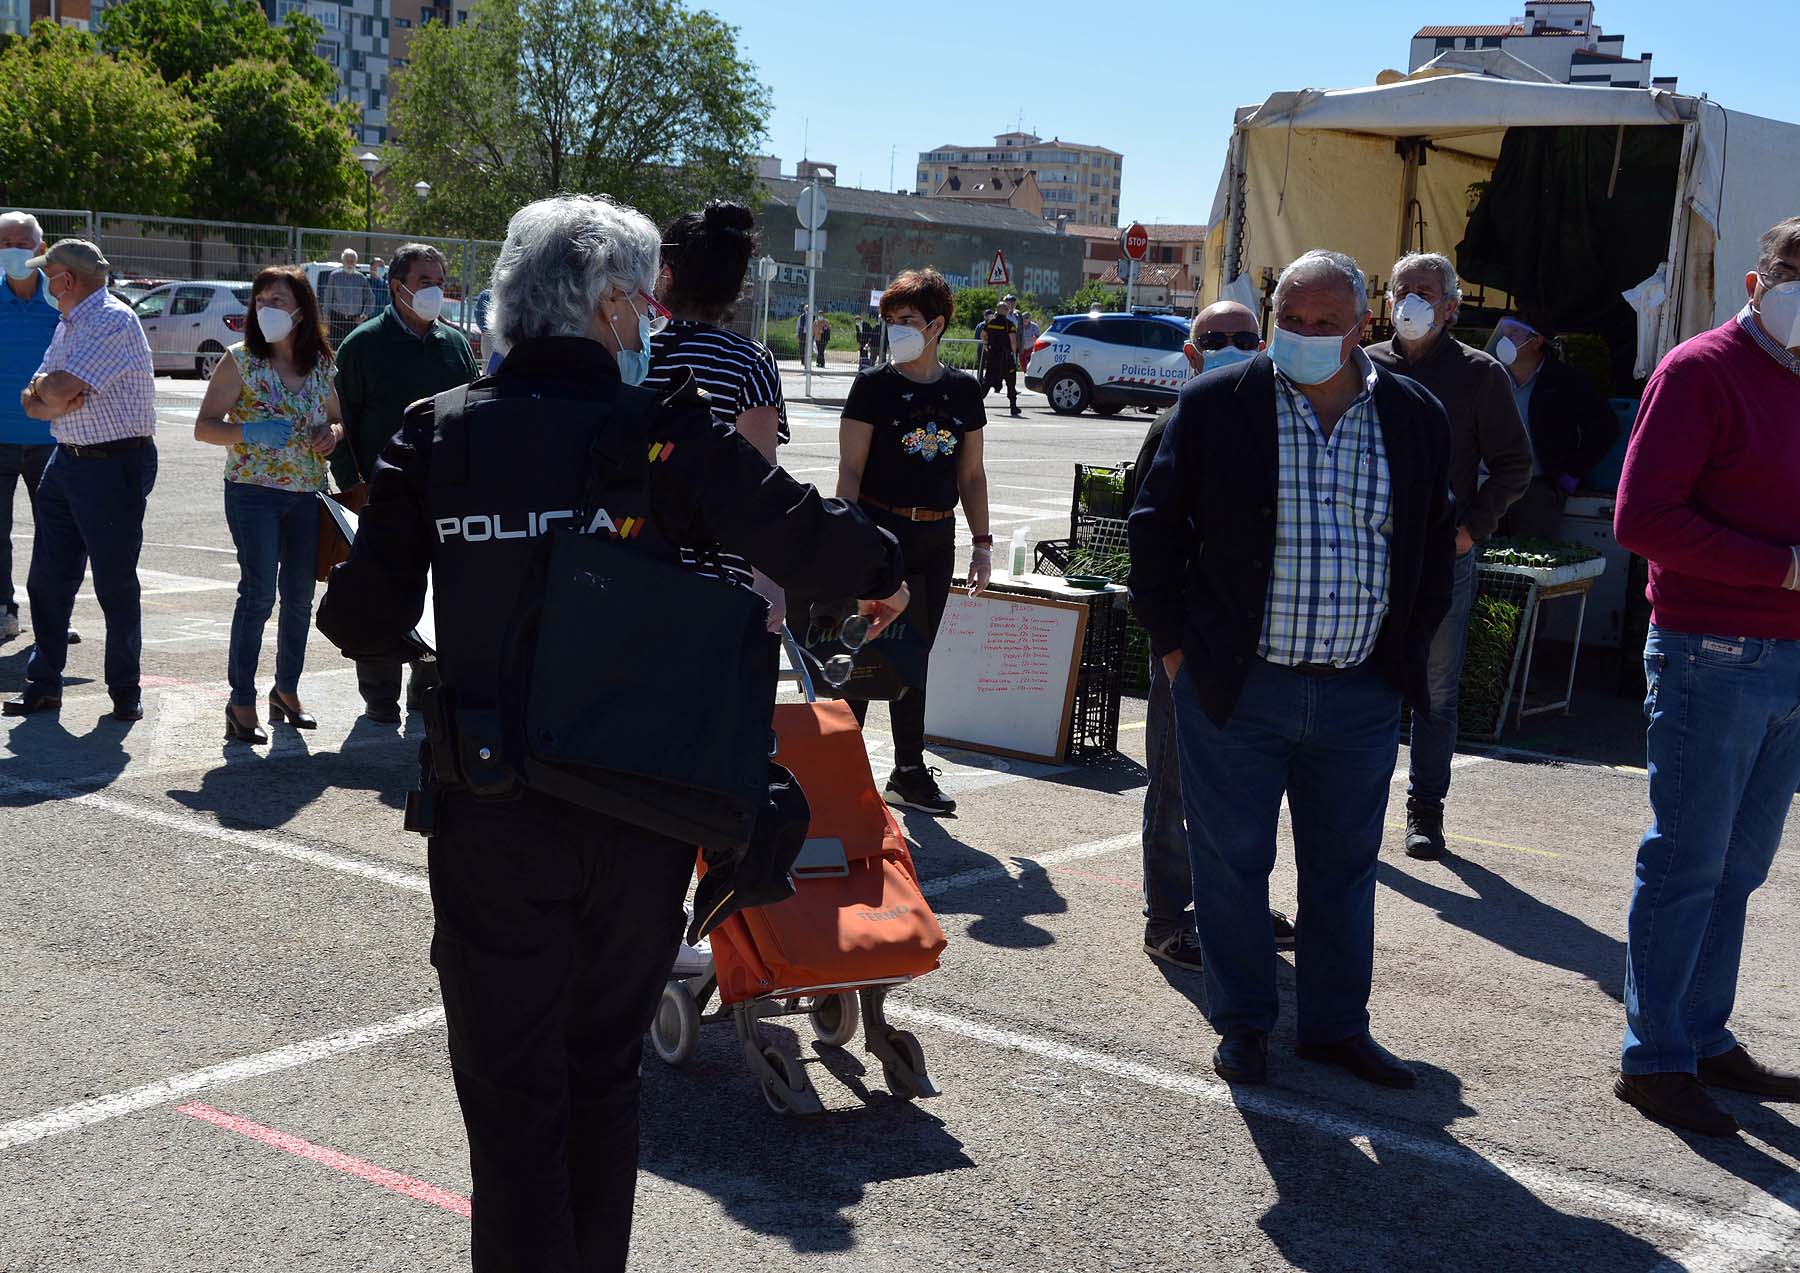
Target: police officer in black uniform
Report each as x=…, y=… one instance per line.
x=556, y=927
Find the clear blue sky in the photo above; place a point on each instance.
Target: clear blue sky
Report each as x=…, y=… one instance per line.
x=853, y=78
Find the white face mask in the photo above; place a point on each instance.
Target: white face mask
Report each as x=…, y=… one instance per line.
x=904, y=343
x=1307, y=360
x=1506, y=351
x=12, y=260
x=1779, y=311
x=1414, y=318
x=274, y=323
x=1230, y=356
x=427, y=302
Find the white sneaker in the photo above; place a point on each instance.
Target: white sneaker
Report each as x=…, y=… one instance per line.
x=692, y=961
x=9, y=624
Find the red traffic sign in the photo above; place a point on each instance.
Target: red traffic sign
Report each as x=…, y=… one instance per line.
x=999, y=276
x=1136, y=241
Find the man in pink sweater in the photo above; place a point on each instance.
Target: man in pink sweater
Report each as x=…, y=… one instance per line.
x=1711, y=496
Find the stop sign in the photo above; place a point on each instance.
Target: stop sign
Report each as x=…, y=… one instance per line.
x=1136, y=240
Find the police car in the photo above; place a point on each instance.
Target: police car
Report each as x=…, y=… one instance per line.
x=1109, y=362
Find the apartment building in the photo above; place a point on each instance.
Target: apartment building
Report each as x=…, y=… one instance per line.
x=1079, y=183
x=1559, y=38
x=16, y=16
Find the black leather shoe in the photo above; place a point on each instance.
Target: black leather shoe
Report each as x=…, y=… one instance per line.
x=1285, y=934
x=32, y=700
x=1741, y=1072
x=1676, y=1099
x=128, y=705
x=281, y=714
x=1363, y=1057
x=383, y=713
x=238, y=732
x=1243, y=1057
x=1425, y=834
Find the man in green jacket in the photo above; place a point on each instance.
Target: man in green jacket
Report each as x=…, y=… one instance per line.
x=399, y=356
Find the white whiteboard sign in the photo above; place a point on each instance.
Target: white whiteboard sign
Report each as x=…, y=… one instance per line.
x=1003, y=672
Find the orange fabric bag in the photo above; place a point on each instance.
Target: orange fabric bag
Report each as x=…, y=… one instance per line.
x=863, y=921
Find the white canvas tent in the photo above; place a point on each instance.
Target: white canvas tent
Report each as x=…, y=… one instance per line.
x=1322, y=169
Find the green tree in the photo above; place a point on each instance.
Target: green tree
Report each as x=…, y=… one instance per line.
x=82, y=130
x=192, y=38
x=972, y=303
x=272, y=148
x=644, y=100
x=1109, y=300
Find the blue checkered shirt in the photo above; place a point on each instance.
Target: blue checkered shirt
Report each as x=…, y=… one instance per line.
x=1774, y=348
x=1328, y=582
x=101, y=343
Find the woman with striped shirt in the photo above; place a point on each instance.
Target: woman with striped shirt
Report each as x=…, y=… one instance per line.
x=704, y=257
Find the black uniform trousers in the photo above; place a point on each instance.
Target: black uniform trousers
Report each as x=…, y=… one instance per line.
x=929, y=549
x=1002, y=371
x=556, y=930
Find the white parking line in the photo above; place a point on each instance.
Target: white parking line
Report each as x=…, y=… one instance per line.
x=100, y=1109
x=1746, y=1234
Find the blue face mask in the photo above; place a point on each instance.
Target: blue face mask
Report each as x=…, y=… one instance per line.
x=634, y=364
x=12, y=260
x=1230, y=356
x=1306, y=360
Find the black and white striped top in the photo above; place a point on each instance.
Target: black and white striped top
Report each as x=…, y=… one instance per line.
x=740, y=376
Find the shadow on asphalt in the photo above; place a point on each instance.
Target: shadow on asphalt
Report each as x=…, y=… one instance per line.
x=1737, y=1155
x=1508, y=916
x=45, y=751
x=265, y=787
x=1006, y=905
x=798, y=1179
x=1351, y=1205
x=1113, y=775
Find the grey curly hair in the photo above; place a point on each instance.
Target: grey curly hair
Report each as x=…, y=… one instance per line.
x=562, y=256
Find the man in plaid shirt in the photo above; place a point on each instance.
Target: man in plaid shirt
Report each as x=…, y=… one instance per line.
x=1291, y=554
x=97, y=389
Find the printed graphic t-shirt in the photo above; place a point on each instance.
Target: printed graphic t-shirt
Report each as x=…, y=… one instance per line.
x=919, y=431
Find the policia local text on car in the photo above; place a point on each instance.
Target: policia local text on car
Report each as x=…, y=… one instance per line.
x=583, y=669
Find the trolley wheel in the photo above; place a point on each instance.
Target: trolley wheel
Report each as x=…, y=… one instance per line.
x=782, y=1097
x=675, y=1030
x=835, y=1018
x=905, y=1083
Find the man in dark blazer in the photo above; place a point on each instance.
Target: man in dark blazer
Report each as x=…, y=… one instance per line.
x=1570, y=425
x=1291, y=554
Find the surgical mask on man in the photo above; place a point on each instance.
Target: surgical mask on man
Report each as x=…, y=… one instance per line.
x=427, y=302
x=274, y=323
x=12, y=260
x=1230, y=356
x=1306, y=360
x=1414, y=318
x=634, y=364
x=1779, y=310
x=1506, y=351
x=905, y=343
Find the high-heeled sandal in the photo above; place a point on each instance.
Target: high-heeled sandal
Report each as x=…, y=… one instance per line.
x=238, y=732
x=280, y=713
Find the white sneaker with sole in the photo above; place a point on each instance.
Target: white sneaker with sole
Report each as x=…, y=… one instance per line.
x=692, y=961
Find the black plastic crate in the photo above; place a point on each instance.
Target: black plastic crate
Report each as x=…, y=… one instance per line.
x=1094, y=724
x=1053, y=556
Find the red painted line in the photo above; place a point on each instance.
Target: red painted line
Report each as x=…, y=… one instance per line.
x=390, y=1180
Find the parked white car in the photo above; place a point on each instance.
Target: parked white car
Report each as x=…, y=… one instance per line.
x=1109, y=362
x=191, y=325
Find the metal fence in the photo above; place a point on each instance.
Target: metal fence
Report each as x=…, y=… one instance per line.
x=147, y=249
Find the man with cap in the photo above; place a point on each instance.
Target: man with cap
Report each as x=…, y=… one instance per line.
x=97, y=390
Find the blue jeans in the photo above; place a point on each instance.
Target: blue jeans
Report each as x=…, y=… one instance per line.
x=17, y=463
x=1434, y=732
x=90, y=514
x=1168, y=881
x=1329, y=744
x=1724, y=757
x=277, y=538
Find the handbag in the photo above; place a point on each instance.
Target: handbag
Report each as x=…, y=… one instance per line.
x=333, y=546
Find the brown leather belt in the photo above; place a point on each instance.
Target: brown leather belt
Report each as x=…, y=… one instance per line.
x=909, y=514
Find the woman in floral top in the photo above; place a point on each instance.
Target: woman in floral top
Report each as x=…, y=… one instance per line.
x=273, y=405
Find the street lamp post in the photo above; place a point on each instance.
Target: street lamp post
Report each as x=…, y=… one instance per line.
x=370, y=161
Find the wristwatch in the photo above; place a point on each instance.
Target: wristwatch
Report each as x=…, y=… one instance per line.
x=984, y=541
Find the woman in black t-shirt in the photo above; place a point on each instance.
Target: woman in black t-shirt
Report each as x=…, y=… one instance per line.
x=909, y=450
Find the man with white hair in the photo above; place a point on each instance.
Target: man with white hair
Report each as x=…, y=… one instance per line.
x=1485, y=431
x=556, y=926
x=346, y=296
x=96, y=388
x=1290, y=557
x=27, y=322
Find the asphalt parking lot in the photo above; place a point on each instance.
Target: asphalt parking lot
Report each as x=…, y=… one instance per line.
x=225, y=1049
